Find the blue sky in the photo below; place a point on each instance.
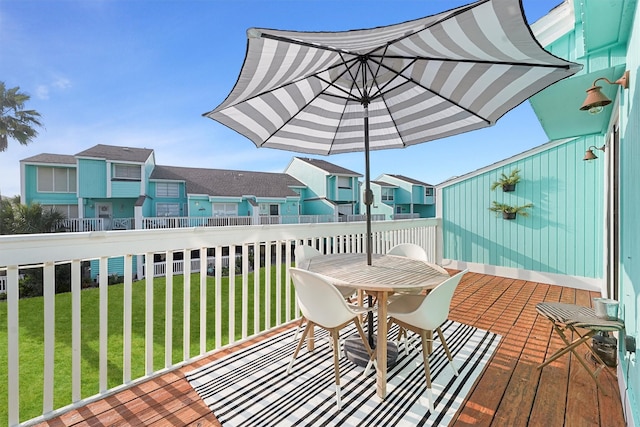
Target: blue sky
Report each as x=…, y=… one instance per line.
x=140, y=73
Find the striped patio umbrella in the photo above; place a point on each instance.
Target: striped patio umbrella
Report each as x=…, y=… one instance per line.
x=388, y=87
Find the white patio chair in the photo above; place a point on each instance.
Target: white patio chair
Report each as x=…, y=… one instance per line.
x=424, y=314
x=323, y=306
x=413, y=251
x=303, y=253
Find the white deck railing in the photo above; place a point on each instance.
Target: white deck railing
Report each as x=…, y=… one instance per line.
x=276, y=242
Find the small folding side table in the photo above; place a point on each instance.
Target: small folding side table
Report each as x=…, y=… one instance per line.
x=568, y=317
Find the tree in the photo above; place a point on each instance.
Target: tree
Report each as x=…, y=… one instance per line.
x=16, y=122
x=16, y=218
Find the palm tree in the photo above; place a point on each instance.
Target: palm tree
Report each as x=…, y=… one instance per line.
x=16, y=218
x=16, y=122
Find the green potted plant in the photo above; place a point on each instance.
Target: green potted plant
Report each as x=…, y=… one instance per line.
x=507, y=182
x=508, y=211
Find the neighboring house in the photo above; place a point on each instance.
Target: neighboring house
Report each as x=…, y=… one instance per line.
x=398, y=196
x=224, y=193
x=329, y=189
x=583, y=227
x=112, y=187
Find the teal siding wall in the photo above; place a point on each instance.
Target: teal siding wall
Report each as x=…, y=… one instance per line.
x=126, y=188
x=629, y=295
x=45, y=198
x=312, y=177
x=114, y=266
x=563, y=233
x=318, y=207
x=93, y=178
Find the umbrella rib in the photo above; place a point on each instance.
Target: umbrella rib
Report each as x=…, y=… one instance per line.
x=471, y=61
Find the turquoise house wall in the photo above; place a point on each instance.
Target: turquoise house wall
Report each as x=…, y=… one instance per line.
x=126, y=188
x=563, y=233
x=629, y=290
x=312, y=177
x=93, y=178
x=318, y=207
x=114, y=266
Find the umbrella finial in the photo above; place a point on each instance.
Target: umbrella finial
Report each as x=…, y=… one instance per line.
x=254, y=33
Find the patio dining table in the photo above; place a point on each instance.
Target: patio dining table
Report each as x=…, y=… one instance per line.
x=386, y=275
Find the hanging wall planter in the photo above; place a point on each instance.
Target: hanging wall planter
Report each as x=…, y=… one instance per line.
x=507, y=182
x=508, y=211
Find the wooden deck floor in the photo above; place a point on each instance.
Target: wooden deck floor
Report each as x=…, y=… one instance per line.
x=511, y=392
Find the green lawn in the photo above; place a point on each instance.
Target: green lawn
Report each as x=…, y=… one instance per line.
x=31, y=335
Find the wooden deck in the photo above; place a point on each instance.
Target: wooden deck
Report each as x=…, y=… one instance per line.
x=511, y=392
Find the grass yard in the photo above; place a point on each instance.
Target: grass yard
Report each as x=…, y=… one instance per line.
x=31, y=335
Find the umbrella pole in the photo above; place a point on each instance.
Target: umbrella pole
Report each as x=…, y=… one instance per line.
x=368, y=196
x=368, y=200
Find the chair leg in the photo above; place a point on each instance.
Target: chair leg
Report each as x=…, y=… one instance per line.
x=372, y=355
x=446, y=350
x=302, y=340
x=427, y=371
x=295, y=336
x=336, y=365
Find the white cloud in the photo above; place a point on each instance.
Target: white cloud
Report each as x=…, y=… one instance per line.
x=62, y=83
x=42, y=92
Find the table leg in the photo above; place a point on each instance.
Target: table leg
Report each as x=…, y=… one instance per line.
x=381, y=346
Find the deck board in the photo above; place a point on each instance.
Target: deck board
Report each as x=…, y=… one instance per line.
x=511, y=391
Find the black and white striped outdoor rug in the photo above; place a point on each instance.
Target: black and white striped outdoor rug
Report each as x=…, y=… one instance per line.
x=251, y=387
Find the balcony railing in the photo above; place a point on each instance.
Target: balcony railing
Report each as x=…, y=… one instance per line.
x=270, y=246
x=97, y=224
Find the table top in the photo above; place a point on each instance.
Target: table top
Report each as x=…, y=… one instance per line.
x=388, y=273
x=577, y=316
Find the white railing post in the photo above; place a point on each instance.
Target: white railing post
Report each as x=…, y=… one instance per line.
x=49, y=292
x=186, y=304
x=104, y=321
x=203, y=300
x=76, y=331
x=148, y=304
x=168, y=312
x=127, y=318
x=13, y=356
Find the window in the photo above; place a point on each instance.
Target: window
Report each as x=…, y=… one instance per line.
x=167, y=209
x=225, y=209
x=69, y=211
x=274, y=210
x=131, y=172
x=344, y=182
x=58, y=180
x=428, y=191
x=387, y=194
x=167, y=189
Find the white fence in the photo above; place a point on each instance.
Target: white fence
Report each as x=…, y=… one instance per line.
x=267, y=248
x=3, y=284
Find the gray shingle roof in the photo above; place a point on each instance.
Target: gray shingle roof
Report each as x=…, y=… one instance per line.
x=112, y=152
x=329, y=167
x=383, y=184
x=222, y=182
x=51, y=158
x=410, y=180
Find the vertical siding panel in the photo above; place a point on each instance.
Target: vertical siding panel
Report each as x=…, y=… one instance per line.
x=562, y=233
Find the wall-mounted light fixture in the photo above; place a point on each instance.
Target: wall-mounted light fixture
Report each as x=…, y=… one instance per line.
x=596, y=100
x=589, y=155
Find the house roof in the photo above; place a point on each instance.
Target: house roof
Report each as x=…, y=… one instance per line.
x=329, y=167
x=112, y=152
x=223, y=182
x=410, y=180
x=383, y=184
x=64, y=159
